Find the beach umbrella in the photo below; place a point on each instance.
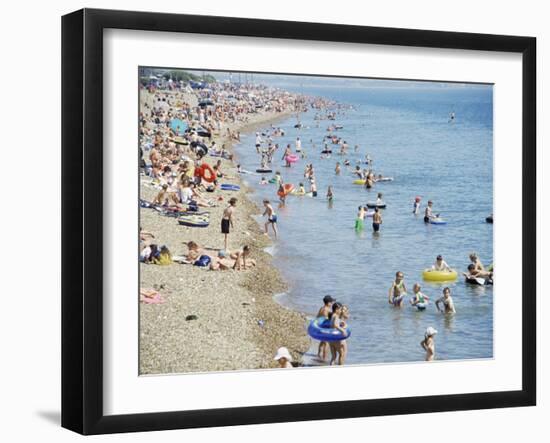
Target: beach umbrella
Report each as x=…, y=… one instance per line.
x=178, y=126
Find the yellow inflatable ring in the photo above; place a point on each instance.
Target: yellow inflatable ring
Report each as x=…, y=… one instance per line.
x=431, y=275
x=359, y=182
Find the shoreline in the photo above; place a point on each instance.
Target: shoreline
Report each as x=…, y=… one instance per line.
x=239, y=323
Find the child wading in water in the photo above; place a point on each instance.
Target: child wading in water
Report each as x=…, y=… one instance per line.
x=428, y=344
x=325, y=312
x=227, y=220
x=330, y=195
x=360, y=220
x=397, y=291
x=419, y=301
x=271, y=218
x=447, y=301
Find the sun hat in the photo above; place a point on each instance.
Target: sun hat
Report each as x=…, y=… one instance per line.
x=282, y=353
x=430, y=331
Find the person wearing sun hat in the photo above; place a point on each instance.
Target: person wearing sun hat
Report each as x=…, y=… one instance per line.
x=428, y=344
x=283, y=357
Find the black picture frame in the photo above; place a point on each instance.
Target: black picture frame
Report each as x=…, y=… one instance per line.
x=82, y=218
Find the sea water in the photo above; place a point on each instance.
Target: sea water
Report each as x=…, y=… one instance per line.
x=408, y=133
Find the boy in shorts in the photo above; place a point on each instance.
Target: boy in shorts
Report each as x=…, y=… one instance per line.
x=227, y=220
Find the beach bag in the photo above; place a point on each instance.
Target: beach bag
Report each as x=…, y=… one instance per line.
x=203, y=261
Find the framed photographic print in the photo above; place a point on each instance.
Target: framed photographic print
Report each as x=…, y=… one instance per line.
x=253, y=209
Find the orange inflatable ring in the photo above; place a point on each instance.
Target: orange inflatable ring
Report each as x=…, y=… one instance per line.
x=205, y=167
x=287, y=189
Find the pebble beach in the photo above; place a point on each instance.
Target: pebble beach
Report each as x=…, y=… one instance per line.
x=215, y=321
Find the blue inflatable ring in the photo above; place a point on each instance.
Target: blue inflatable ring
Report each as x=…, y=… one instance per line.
x=320, y=329
x=229, y=187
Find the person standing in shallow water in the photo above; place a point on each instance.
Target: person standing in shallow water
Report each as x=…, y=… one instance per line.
x=428, y=344
x=336, y=323
x=446, y=301
x=324, y=313
x=376, y=220
x=398, y=291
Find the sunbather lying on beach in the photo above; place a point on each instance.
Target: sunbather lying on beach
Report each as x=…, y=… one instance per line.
x=165, y=197
x=145, y=236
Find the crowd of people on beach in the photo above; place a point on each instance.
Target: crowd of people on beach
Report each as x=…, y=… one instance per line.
x=180, y=157
x=176, y=145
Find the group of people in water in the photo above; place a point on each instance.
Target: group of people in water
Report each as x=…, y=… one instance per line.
x=337, y=315
x=397, y=294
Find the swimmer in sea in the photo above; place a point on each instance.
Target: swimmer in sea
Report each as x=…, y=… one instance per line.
x=301, y=190
x=428, y=214
x=263, y=181
x=446, y=301
x=398, y=291
x=474, y=273
x=479, y=266
x=337, y=168
x=428, y=344
x=441, y=265
x=379, y=199
x=419, y=300
x=416, y=206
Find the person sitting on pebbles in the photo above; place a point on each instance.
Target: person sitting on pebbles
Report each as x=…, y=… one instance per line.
x=242, y=260
x=284, y=358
